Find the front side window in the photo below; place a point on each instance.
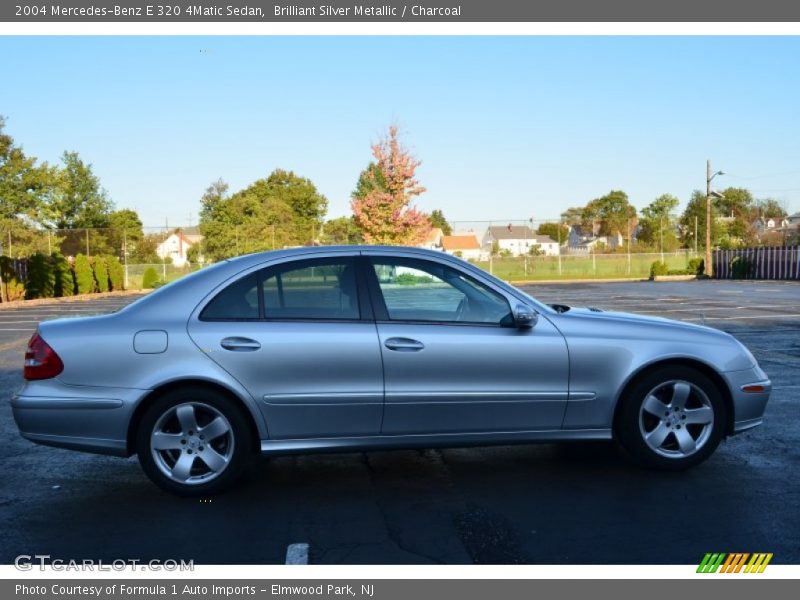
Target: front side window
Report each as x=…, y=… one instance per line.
x=418, y=290
x=318, y=290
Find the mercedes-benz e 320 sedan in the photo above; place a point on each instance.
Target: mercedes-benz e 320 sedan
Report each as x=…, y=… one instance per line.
x=355, y=348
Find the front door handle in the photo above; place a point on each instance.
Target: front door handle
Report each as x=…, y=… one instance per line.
x=403, y=344
x=240, y=344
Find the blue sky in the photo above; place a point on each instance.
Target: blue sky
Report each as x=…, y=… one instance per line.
x=506, y=127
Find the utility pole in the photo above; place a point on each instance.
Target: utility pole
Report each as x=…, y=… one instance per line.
x=695, y=236
x=559, y=246
x=164, y=250
x=709, y=268
x=125, y=256
x=2, y=287
x=629, y=245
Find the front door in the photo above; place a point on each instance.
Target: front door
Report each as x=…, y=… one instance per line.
x=301, y=339
x=453, y=361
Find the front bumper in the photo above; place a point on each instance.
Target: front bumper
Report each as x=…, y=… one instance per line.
x=748, y=406
x=83, y=418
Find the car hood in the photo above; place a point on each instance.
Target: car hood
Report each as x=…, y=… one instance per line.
x=663, y=337
x=636, y=319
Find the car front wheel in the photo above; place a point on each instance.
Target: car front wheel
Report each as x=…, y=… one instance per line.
x=672, y=419
x=193, y=442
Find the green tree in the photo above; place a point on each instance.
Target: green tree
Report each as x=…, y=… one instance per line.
x=116, y=273
x=64, y=277
x=212, y=198
x=282, y=210
x=145, y=252
x=437, y=219
x=573, y=215
x=737, y=206
x=84, y=276
x=370, y=180
x=342, y=230
x=24, y=185
x=696, y=210
x=657, y=225
x=150, y=279
x=769, y=208
x=41, y=278
x=195, y=253
x=125, y=228
x=11, y=288
x=79, y=200
x=612, y=211
x=735, y=201
x=101, y=273
x=554, y=231
x=20, y=238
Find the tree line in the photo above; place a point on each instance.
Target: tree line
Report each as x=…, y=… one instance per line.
x=67, y=201
x=286, y=209
x=656, y=226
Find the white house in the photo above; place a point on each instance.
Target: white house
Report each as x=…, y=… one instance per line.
x=518, y=240
x=176, y=246
x=767, y=224
x=434, y=239
x=580, y=241
x=465, y=246
x=547, y=245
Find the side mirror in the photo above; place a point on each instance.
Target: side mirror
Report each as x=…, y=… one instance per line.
x=524, y=316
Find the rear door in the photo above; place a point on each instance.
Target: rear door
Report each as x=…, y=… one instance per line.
x=300, y=337
x=453, y=360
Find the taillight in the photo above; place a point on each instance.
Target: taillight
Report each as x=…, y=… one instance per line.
x=41, y=361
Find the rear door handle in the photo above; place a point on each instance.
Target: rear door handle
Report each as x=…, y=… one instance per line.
x=240, y=344
x=401, y=344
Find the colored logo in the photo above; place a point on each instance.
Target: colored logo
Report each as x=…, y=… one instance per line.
x=734, y=563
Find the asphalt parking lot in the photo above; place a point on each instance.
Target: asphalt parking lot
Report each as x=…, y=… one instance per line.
x=581, y=503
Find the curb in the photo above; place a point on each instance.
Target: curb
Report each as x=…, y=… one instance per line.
x=535, y=281
x=674, y=278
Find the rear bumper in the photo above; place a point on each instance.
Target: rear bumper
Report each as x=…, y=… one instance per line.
x=75, y=417
x=748, y=407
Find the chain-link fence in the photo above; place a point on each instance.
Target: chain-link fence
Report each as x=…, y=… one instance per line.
x=515, y=250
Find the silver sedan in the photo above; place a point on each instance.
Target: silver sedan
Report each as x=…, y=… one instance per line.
x=355, y=348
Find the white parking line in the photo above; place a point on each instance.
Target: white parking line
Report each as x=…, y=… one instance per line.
x=19, y=321
x=786, y=316
x=297, y=554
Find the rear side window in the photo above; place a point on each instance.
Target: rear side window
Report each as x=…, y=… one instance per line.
x=321, y=290
x=316, y=289
x=238, y=301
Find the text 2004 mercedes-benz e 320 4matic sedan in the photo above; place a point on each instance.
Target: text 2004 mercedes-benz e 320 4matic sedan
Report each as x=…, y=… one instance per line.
x=354, y=348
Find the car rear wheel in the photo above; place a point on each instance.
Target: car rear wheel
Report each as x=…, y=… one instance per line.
x=673, y=418
x=193, y=442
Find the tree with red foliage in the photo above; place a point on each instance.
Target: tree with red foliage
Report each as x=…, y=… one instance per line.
x=381, y=203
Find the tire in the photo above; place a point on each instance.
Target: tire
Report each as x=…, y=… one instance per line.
x=181, y=454
x=673, y=418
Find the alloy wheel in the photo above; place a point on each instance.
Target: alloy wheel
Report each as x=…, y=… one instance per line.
x=676, y=419
x=192, y=443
